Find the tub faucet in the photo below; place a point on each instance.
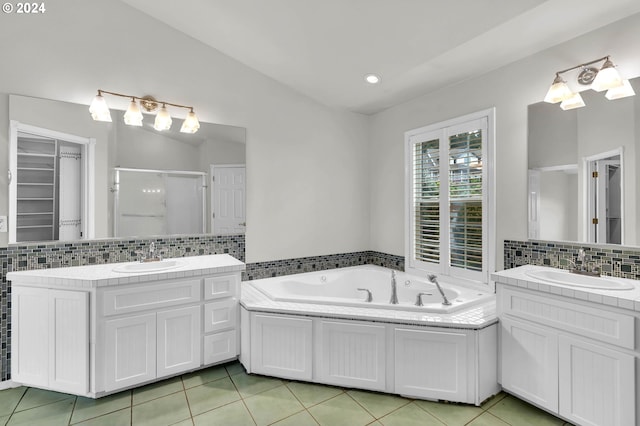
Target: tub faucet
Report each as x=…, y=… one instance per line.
x=369, y=297
x=419, y=298
x=434, y=280
x=394, y=289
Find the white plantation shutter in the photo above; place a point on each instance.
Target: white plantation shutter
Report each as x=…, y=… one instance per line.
x=447, y=211
x=426, y=176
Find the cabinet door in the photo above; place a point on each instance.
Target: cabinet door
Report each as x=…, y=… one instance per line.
x=130, y=345
x=179, y=342
x=530, y=362
x=221, y=346
x=596, y=384
x=281, y=346
x=69, y=341
x=432, y=364
x=352, y=354
x=30, y=338
x=220, y=315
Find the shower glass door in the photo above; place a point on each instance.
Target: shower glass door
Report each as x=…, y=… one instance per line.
x=158, y=202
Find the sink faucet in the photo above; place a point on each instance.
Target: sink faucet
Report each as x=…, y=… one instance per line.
x=582, y=269
x=394, y=289
x=150, y=255
x=434, y=280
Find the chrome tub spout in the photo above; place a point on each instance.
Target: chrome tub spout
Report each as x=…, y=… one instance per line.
x=394, y=289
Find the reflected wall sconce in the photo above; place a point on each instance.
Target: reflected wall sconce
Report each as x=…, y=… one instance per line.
x=133, y=116
x=605, y=78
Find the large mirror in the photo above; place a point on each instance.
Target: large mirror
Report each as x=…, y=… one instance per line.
x=584, y=170
x=75, y=178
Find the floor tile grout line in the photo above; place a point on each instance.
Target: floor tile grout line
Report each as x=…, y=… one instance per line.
x=68, y=396
x=16, y=406
x=317, y=403
x=73, y=409
x=246, y=407
x=373, y=415
x=184, y=391
x=497, y=417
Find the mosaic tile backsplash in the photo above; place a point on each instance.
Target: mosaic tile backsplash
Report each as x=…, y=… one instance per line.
x=620, y=262
x=60, y=254
x=317, y=263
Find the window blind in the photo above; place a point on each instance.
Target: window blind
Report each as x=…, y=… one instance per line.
x=426, y=180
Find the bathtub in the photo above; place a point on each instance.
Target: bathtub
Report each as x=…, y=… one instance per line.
x=340, y=287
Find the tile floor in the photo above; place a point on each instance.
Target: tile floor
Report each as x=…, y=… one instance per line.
x=225, y=395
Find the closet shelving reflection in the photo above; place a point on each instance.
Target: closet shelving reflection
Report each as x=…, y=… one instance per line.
x=36, y=188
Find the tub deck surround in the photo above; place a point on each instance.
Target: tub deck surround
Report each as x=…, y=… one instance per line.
x=573, y=351
x=428, y=355
x=477, y=314
x=98, y=329
x=624, y=299
x=349, y=286
x=93, y=276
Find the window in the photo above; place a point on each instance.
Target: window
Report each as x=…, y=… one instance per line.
x=450, y=198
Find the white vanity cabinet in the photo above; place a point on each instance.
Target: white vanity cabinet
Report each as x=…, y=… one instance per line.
x=574, y=358
x=50, y=338
x=108, y=334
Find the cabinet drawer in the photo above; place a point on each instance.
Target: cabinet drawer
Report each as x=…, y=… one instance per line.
x=128, y=299
x=220, y=286
x=220, y=315
x=220, y=346
x=605, y=326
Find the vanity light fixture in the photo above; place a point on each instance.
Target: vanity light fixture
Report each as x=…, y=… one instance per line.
x=372, y=79
x=163, y=119
x=605, y=78
x=133, y=116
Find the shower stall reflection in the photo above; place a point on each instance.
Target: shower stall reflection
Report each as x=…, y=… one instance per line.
x=158, y=202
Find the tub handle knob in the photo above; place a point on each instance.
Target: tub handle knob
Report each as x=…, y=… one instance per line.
x=369, y=296
x=419, y=298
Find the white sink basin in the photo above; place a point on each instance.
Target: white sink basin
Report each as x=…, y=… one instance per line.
x=577, y=280
x=140, y=267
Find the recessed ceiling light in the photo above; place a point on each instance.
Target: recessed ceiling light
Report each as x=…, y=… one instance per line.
x=372, y=79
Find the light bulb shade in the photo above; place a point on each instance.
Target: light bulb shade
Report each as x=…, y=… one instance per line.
x=573, y=102
x=133, y=116
x=190, y=124
x=163, y=119
x=620, y=92
x=99, y=109
x=607, y=78
x=558, y=92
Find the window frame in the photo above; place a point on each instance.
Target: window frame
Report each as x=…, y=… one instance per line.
x=442, y=130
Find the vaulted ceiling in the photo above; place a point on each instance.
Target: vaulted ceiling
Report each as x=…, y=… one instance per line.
x=324, y=49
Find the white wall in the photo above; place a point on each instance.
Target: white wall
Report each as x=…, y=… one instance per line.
x=553, y=136
x=307, y=174
x=510, y=89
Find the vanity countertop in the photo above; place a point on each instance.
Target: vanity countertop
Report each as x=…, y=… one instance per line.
x=625, y=299
x=92, y=276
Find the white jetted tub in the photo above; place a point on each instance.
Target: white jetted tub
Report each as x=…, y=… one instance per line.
x=350, y=286
x=318, y=327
